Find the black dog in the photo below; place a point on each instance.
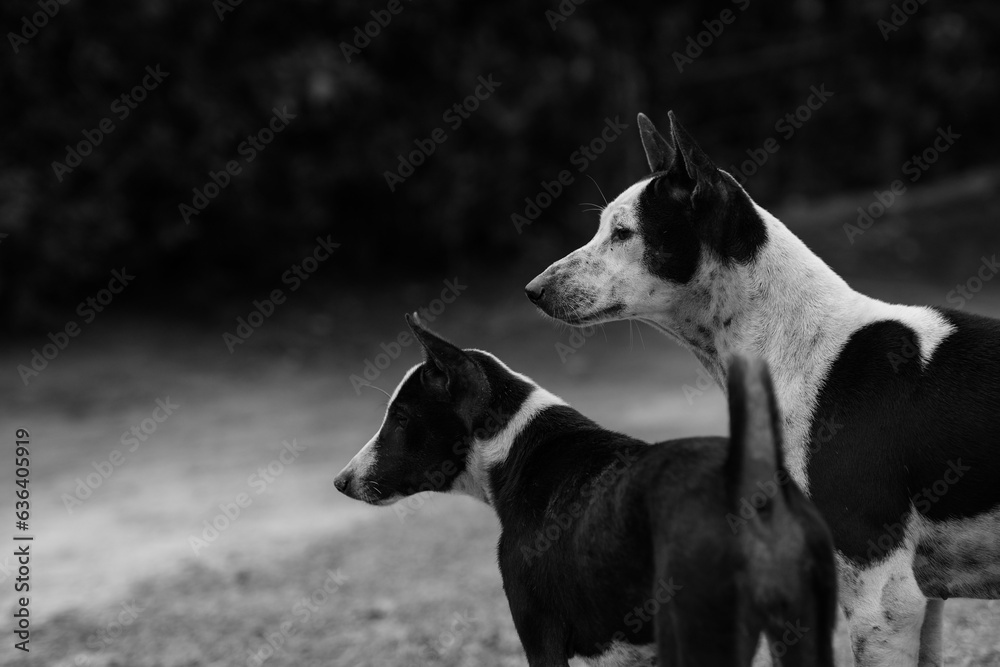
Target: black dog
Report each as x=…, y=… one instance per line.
x=609, y=544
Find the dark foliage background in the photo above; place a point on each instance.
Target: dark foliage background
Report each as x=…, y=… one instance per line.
x=324, y=174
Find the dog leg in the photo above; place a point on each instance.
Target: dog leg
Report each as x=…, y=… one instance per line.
x=843, y=651
x=762, y=656
x=930, y=635
x=885, y=609
x=814, y=649
x=691, y=631
x=544, y=641
x=550, y=656
x=544, y=648
x=806, y=641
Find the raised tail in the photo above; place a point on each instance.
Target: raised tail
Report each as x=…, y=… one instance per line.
x=755, y=471
x=786, y=546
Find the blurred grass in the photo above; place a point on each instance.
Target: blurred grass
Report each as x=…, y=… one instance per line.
x=325, y=173
x=425, y=591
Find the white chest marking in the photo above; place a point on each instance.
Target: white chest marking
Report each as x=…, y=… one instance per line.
x=621, y=654
x=488, y=452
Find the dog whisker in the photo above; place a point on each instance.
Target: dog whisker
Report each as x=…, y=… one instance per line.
x=598, y=189
x=369, y=384
x=596, y=208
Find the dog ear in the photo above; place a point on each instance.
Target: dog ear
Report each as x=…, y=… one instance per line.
x=448, y=367
x=692, y=165
x=660, y=153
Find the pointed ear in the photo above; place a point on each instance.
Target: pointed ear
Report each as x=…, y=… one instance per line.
x=659, y=152
x=448, y=367
x=692, y=162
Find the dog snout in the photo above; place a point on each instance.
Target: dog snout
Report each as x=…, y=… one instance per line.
x=535, y=290
x=343, y=482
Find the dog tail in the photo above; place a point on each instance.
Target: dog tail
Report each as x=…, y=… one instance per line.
x=787, y=548
x=755, y=469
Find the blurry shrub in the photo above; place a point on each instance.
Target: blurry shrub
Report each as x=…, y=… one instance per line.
x=324, y=174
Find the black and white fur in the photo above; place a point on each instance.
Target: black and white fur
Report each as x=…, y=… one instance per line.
x=881, y=402
x=642, y=543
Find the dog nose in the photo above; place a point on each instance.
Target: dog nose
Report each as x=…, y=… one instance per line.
x=534, y=290
x=342, y=481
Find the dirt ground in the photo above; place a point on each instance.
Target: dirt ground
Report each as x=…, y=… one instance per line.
x=118, y=577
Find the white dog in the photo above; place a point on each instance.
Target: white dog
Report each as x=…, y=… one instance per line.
x=892, y=413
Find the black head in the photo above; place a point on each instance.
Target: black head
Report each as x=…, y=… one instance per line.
x=440, y=409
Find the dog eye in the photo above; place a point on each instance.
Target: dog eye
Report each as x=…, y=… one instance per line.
x=402, y=420
x=621, y=234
